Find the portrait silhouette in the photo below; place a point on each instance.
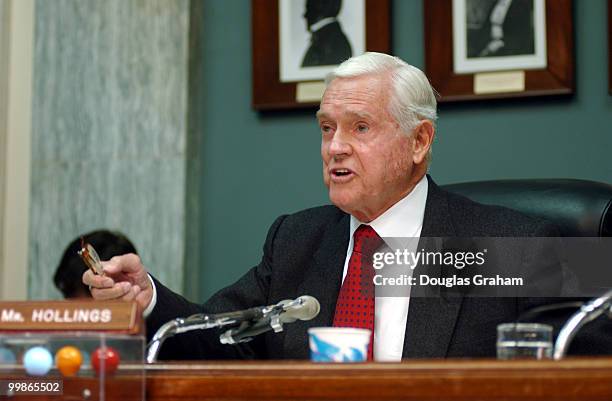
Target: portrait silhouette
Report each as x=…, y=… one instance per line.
x=328, y=43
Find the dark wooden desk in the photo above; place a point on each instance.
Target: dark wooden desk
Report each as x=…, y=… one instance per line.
x=446, y=380
x=578, y=379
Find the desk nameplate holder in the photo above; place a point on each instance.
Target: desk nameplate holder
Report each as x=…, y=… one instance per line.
x=44, y=316
x=95, y=329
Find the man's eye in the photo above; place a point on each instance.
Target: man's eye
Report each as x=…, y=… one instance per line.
x=362, y=128
x=326, y=128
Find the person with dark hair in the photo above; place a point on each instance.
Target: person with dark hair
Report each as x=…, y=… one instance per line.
x=70, y=270
x=328, y=44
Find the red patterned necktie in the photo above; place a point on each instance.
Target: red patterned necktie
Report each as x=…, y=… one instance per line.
x=355, y=305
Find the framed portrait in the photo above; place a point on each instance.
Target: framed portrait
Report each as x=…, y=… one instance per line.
x=296, y=43
x=483, y=49
x=487, y=36
x=309, y=50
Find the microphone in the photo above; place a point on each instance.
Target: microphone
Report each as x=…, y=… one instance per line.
x=255, y=313
x=253, y=321
x=307, y=308
x=286, y=311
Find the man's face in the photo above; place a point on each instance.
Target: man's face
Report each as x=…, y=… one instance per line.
x=367, y=159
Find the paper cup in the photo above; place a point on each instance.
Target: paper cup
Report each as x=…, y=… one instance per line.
x=338, y=344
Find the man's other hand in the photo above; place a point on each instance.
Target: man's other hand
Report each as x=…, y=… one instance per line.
x=124, y=278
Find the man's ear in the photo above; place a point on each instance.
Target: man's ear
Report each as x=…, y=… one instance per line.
x=423, y=136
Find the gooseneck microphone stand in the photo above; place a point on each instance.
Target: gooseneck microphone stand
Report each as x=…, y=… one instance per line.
x=183, y=325
x=587, y=313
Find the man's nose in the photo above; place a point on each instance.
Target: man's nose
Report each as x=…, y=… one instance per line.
x=339, y=145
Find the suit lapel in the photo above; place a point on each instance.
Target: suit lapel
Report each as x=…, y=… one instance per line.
x=431, y=320
x=322, y=280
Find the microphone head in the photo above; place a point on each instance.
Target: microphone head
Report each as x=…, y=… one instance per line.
x=310, y=307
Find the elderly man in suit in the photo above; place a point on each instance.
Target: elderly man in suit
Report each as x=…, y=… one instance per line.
x=377, y=121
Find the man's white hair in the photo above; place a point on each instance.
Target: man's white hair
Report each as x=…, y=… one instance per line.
x=413, y=98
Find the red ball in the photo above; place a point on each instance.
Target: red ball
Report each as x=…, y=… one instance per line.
x=106, y=356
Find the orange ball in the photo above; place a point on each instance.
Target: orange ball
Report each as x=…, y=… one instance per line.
x=68, y=360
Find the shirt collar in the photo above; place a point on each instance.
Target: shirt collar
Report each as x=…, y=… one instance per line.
x=321, y=23
x=404, y=219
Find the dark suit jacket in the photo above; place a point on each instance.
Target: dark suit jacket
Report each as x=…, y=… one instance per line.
x=304, y=253
x=328, y=46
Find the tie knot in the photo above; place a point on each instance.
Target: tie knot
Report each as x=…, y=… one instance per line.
x=367, y=239
x=364, y=231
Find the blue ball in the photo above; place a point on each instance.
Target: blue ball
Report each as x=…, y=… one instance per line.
x=37, y=361
x=86, y=358
x=7, y=356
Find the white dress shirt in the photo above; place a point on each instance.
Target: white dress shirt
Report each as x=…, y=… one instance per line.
x=404, y=219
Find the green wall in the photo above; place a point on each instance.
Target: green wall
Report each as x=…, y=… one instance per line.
x=257, y=166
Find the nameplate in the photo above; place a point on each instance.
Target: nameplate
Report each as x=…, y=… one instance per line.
x=113, y=316
x=499, y=82
x=306, y=92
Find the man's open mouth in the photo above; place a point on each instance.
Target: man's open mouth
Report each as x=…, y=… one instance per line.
x=341, y=174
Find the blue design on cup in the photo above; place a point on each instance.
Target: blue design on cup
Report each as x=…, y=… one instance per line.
x=354, y=355
x=326, y=352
